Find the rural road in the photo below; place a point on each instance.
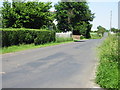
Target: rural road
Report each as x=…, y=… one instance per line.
x=69, y=65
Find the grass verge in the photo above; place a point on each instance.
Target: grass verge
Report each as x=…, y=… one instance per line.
x=107, y=72
x=62, y=39
x=21, y=47
x=95, y=36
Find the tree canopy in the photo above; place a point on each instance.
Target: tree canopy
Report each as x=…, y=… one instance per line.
x=74, y=16
x=26, y=14
x=115, y=30
x=71, y=16
x=101, y=30
x=0, y=19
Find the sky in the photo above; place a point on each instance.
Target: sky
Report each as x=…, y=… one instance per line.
x=102, y=12
x=101, y=8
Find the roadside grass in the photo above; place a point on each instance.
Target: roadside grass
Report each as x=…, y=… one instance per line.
x=21, y=47
x=95, y=36
x=107, y=71
x=62, y=39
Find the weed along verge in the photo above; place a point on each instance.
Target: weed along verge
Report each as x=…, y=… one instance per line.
x=107, y=71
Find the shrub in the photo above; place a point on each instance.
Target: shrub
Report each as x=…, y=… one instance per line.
x=26, y=36
x=82, y=37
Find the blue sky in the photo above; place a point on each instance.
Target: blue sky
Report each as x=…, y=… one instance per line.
x=102, y=9
x=102, y=14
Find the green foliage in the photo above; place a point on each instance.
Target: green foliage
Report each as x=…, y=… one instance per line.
x=101, y=30
x=107, y=74
x=0, y=19
x=26, y=14
x=21, y=47
x=63, y=39
x=26, y=36
x=82, y=37
x=44, y=37
x=94, y=35
x=115, y=30
x=74, y=16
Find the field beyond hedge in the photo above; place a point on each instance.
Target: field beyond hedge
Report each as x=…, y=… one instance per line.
x=107, y=73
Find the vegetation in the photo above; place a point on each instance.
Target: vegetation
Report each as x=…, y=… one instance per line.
x=63, y=39
x=81, y=37
x=94, y=35
x=101, y=30
x=107, y=74
x=115, y=30
x=0, y=21
x=19, y=15
x=75, y=17
x=21, y=47
x=26, y=36
x=29, y=14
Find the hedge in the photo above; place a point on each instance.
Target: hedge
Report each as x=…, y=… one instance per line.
x=26, y=36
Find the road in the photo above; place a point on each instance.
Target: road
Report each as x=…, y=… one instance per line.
x=68, y=65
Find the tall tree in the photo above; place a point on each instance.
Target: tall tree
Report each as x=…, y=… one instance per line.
x=74, y=16
x=6, y=14
x=0, y=19
x=26, y=14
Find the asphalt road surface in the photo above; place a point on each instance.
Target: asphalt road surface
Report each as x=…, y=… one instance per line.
x=68, y=65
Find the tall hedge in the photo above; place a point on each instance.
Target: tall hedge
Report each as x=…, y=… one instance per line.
x=26, y=36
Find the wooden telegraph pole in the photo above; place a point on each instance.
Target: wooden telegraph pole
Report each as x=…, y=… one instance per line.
x=110, y=20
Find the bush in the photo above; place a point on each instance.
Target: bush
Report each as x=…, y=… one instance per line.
x=107, y=74
x=26, y=36
x=82, y=37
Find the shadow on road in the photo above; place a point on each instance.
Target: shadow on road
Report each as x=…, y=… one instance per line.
x=79, y=41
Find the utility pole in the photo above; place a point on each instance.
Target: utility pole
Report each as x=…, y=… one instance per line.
x=119, y=15
x=110, y=20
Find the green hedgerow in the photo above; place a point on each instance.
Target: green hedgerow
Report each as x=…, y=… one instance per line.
x=107, y=72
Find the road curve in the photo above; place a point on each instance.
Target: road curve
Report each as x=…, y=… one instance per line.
x=68, y=65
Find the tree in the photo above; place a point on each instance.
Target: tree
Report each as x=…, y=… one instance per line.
x=0, y=19
x=0, y=22
x=74, y=16
x=115, y=30
x=26, y=14
x=101, y=30
x=5, y=14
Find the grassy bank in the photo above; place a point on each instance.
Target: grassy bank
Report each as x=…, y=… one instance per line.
x=107, y=73
x=21, y=47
